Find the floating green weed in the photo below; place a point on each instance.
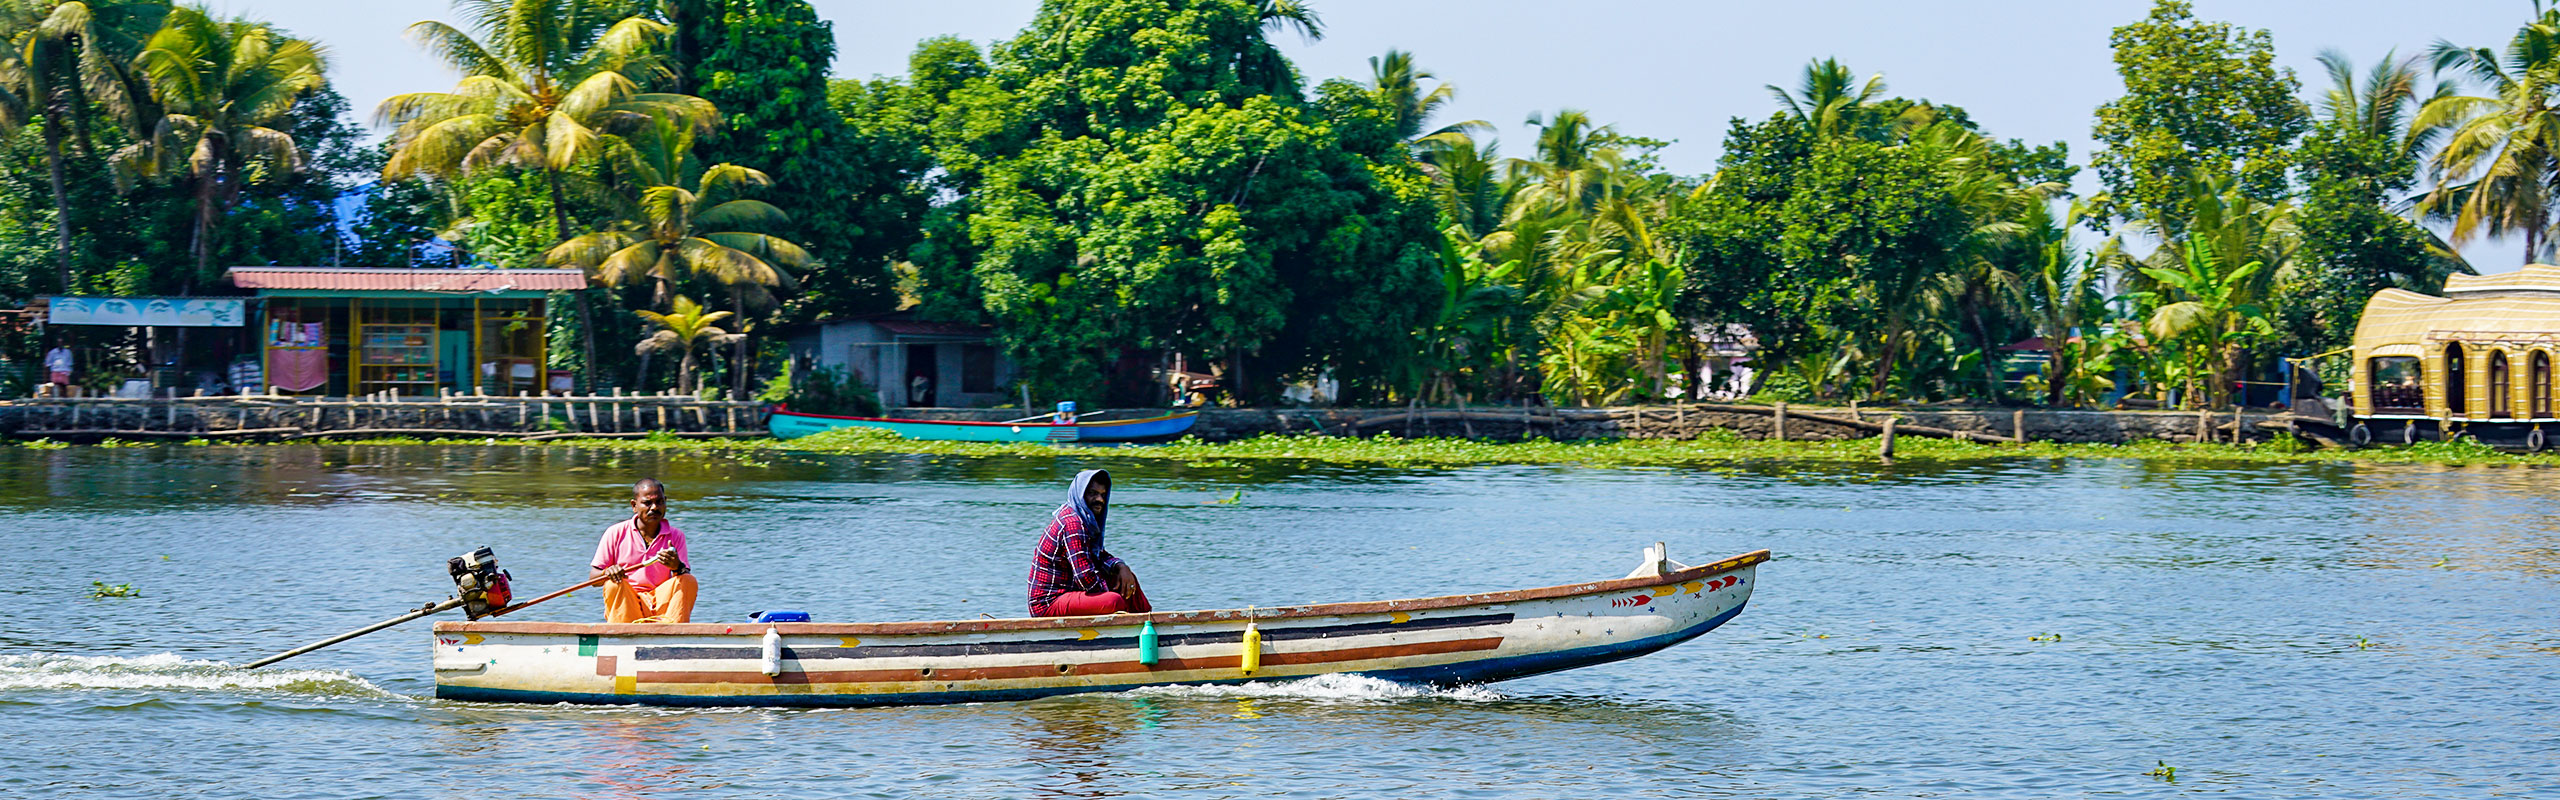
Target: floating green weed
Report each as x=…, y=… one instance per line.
x=2047, y=638
x=2163, y=772
x=1715, y=449
x=2366, y=644
x=1228, y=500
x=100, y=590
x=197, y=442
x=115, y=442
x=46, y=444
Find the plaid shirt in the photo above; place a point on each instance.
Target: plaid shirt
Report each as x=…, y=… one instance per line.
x=1068, y=561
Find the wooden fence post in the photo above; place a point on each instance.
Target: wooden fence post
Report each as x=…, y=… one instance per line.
x=1885, y=450
x=1778, y=425
x=2018, y=425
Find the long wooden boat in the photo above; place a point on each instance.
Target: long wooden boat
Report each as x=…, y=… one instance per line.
x=1460, y=639
x=793, y=424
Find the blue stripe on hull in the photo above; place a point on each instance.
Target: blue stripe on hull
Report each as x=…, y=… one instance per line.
x=1485, y=671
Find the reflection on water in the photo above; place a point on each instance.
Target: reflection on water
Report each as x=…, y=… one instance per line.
x=2025, y=628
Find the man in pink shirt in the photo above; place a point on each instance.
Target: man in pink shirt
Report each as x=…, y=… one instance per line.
x=649, y=574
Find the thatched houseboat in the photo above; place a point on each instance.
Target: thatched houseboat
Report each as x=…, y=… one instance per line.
x=2476, y=361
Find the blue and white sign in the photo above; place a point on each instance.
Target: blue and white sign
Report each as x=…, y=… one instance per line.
x=150, y=312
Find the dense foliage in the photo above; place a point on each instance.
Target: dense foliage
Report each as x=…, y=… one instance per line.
x=1130, y=194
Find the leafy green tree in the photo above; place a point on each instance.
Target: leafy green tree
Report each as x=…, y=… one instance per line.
x=1154, y=183
x=2496, y=170
x=2207, y=304
x=2062, y=292
x=1890, y=224
x=764, y=64
x=61, y=60
x=2202, y=101
x=1736, y=274
x=2357, y=162
x=217, y=88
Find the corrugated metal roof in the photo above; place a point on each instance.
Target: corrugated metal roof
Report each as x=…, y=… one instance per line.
x=909, y=327
x=407, y=280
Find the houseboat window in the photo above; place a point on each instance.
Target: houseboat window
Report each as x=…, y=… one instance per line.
x=2501, y=390
x=2540, y=375
x=2457, y=383
x=2398, y=385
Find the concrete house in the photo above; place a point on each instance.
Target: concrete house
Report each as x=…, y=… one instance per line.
x=910, y=362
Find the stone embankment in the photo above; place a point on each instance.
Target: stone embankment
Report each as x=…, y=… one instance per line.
x=267, y=418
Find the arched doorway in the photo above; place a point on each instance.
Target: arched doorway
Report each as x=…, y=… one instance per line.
x=2457, y=382
x=2540, y=374
x=2501, y=389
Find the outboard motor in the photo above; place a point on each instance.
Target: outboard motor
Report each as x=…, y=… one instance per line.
x=482, y=584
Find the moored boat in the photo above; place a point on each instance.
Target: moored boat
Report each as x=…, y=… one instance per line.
x=793, y=425
x=1453, y=640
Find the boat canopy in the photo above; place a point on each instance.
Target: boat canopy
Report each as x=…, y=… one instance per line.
x=2484, y=352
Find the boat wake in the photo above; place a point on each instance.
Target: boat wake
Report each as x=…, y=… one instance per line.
x=1344, y=686
x=168, y=672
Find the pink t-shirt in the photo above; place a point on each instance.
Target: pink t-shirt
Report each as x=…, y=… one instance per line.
x=622, y=545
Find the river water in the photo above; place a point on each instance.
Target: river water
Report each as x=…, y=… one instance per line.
x=2031, y=628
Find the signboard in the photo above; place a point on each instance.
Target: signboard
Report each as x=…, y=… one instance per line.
x=150, y=312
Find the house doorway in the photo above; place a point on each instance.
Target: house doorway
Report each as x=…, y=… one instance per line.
x=923, y=367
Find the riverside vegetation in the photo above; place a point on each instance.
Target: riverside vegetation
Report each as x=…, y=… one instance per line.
x=697, y=158
x=1388, y=450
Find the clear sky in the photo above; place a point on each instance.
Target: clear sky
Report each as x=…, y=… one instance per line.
x=1668, y=69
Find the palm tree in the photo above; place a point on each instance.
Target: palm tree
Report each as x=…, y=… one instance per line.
x=2496, y=169
x=541, y=86
x=2381, y=104
x=2059, y=292
x=686, y=323
x=1830, y=100
x=1395, y=78
x=672, y=232
x=217, y=87
x=60, y=58
x=2210, y=306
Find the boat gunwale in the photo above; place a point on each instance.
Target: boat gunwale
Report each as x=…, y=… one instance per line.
x=904, y=421
x=1107, y=620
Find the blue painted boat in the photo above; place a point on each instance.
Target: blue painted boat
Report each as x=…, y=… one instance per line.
x=793, y=425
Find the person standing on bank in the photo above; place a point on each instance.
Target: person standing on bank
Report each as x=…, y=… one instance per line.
x=1071, y=575
x=57, y=366
x=648, y=571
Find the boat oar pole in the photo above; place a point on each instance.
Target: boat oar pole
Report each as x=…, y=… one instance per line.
x=552, y=596
x=429, y=609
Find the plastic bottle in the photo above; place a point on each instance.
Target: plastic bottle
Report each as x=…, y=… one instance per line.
x=1147, y=643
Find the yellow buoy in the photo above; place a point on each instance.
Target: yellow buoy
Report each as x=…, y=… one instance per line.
x=1252, y=645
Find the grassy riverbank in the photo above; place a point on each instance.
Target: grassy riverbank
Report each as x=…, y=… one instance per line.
x=1388, y=451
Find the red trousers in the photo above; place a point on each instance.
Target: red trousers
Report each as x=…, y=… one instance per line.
x=1079, y=604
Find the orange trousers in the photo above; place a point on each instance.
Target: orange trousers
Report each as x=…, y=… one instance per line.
x=671, y=601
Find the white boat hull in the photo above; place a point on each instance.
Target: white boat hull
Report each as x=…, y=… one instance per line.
x=1442, y=641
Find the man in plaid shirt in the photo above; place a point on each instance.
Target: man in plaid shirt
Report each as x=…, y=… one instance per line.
x=1071, y=575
